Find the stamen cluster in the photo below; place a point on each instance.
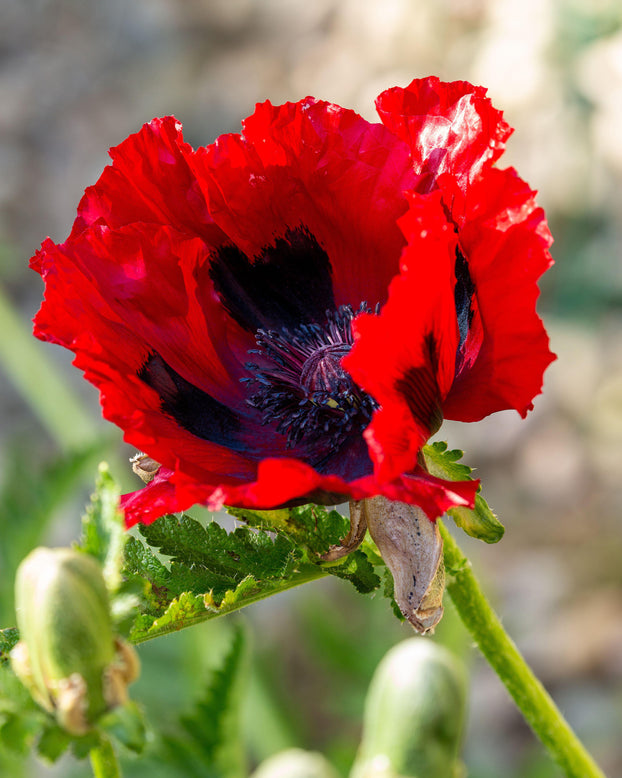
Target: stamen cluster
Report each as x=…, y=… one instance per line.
x=303, y=389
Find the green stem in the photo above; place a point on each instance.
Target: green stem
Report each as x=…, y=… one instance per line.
x=539, y=710
x=104, y=760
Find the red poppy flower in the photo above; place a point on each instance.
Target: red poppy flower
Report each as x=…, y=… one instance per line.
x=286, y=315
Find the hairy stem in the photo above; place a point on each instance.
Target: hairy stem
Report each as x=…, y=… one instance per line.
x=534, y=702
x=104, y=760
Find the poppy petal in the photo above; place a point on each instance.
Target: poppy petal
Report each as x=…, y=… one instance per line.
x=280, y=482
x=150, y=180
x=449, y=128
x=506, y=241
x=405, y=357
x=322, y=168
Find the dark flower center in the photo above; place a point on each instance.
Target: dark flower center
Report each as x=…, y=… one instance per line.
x=301, y=387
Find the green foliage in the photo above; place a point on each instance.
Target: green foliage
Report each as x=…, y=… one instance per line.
x=179, y=573
x=103, y=530
x=8, y=638
x=208, y=739
x=314, y=529
x=20, y=717
x=480, y=522
x=312, y=526
x=23, y=724
x=41, y=384
x=29, y=498
x=104, y=537
x=210, y=572
x=126, y=725
x=225, y=557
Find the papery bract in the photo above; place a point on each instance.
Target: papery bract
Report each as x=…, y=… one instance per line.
x=286, y=315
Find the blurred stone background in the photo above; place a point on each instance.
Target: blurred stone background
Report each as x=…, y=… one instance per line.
x=78, y=76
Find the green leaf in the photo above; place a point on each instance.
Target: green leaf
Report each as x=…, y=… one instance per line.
x=207, y=572
x=8, y=638
x=103, y=530
x=126, y=724
x=312, y=526
x=82, y=746
x=30, y=497
x=189, y=609
x=21, y=719
x=209, y=739
x=53, y=743
x=357, y=569
x=18, y=733
x=14, y=697
x=226, y=556
x=208, y=560
x=388, y=591
x=480, y=522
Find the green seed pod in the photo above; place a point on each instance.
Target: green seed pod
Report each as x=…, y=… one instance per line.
x=296, y=763
x=414, y=714
x=68, y=656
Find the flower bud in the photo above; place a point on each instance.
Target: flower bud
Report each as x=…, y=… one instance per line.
x=414, y=714
x=68, y=655
x=295, y=763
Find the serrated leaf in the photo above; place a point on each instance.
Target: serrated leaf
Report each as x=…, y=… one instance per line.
x=212, y=572
x=480, y=522
x=317, y=529
x=189, y=608
x=141, y=561
x=312, y=526
x=103, y=530
x=208, y=742
x=208, y=560
x=357, y=569
x=447, y=461
x=181, y=612
x=215, y=722
x=248, y=588
x=231, y=555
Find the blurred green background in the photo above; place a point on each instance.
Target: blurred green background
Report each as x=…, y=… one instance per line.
x=78, y=76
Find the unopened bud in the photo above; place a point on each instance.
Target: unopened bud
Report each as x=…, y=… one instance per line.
x=414, y=714
x=295, y=763
x=68, y=655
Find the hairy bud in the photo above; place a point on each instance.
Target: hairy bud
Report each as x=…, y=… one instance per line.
x=68, y=656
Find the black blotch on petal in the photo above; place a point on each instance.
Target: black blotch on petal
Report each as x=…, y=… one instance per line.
x=287, y=284
x=192, y=408
x=463, y=295
x=419, y=387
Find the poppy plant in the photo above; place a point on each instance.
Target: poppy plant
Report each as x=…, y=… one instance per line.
x=287, y=315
